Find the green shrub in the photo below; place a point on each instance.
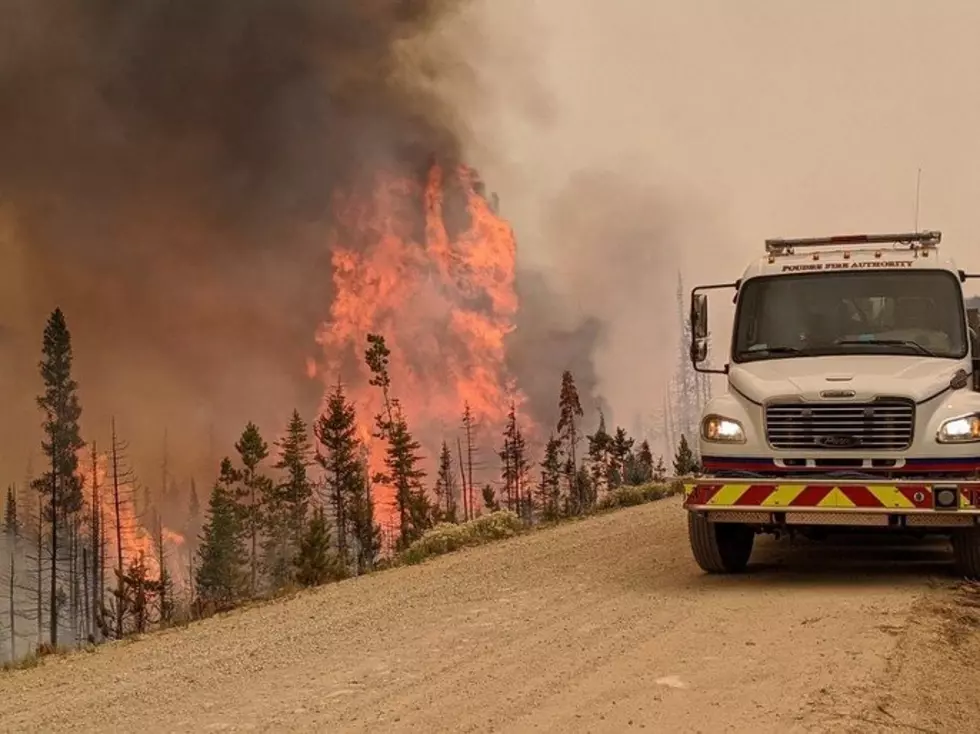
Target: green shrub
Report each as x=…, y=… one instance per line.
x=448, y=537
x=676, y=486
x=632, y=496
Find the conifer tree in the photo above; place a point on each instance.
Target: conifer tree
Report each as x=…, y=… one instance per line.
x=404, y=473
x=644, y=462
x=466, y=471
x=445, y=489
x=549, y=487
x=490, y=499
x=600, y=455
x=402, y=460
x=60, y=485
x=139, y=592
x=12, y=531
x=569, y=411
x=315, y=562
x=660, y=470
x=11, y=521
x=620, y=449
x=288, y=502
x=220, y=578
x=515, y=465
x=336, y=430
x=364, y=530
x=252, y=491
x=587, y=488
x=163, y=588
x=685, y=461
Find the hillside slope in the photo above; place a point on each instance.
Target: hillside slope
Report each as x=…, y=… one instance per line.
x=600, y=625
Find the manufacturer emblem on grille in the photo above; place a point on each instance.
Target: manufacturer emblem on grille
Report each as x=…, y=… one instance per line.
x=838, y=442
x=832, y=394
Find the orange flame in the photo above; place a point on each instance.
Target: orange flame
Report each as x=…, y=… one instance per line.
x=135, y=537
x=430, y=266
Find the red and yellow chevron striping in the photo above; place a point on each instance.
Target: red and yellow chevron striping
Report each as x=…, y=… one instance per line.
x=824, y=495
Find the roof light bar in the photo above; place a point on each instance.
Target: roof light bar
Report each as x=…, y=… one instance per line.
x=923, y=239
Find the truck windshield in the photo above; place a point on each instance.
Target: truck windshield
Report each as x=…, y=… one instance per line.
x=880, y=312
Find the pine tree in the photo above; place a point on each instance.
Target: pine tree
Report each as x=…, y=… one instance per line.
x=587, y=488
x=469, y=497
x=644, y=460
x=364, y=530
x=620, y=449
x=684, y=460
x=163, y=588
x=402, y=460
x=490, y=499
x=252, y=492
x=192, y=530
x=336, y=430
x=445, y=489
x=515, y=464
x=660, y=471
x=60, y=485
x=11, y=522
x=600, y=455
x=220, y=578
x=569, y=411
x=138, y=593
x=12, y=531
x=97, y=540
x=404, y=473
x=639, y=466
x=315, y=562
x=549, y=488
x=289, y=502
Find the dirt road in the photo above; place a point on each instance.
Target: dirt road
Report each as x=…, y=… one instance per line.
x=601, y=625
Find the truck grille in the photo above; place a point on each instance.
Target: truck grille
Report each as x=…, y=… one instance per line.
x=884, y=424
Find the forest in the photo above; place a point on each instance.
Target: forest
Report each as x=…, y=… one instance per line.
x=90, y=559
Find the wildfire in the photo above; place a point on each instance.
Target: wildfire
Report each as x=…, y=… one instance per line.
x=129, y=533
x=429, y=265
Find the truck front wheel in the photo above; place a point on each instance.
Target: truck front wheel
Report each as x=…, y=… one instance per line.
x=966, y=552
x=719, y=547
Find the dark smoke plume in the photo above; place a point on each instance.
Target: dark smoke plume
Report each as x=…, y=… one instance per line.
x=165, y=173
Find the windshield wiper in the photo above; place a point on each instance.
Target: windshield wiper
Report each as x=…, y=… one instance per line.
x=771, y=350
x=890, y=342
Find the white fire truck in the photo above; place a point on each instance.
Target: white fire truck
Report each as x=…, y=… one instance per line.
x=853, y=399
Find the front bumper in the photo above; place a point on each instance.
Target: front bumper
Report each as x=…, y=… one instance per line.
x=833, y=502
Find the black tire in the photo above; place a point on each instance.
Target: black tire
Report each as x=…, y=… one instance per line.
x=966, y=552
x=719, y=547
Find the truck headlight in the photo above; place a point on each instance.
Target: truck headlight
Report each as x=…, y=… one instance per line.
x=718, y=429
x=965, y=429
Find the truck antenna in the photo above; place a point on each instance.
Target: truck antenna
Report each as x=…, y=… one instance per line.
x=918, y=184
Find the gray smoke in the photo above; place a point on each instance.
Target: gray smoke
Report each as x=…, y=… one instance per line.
x=165, y=177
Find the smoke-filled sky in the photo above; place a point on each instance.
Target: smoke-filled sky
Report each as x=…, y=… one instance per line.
x=165, y=172
x=165, y=176
x=633, y=138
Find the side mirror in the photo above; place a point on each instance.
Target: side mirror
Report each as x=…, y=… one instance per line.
x=699, y=350
x=973, y=321
x=699, y=316
x=699, y=327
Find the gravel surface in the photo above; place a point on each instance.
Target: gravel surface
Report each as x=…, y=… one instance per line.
x=600, y=625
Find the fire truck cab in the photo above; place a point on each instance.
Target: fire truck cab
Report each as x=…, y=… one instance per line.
x=853, y=399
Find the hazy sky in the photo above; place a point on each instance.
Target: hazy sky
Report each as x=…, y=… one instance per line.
x=630, y=139
x=728, y=122
x=781, y=117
